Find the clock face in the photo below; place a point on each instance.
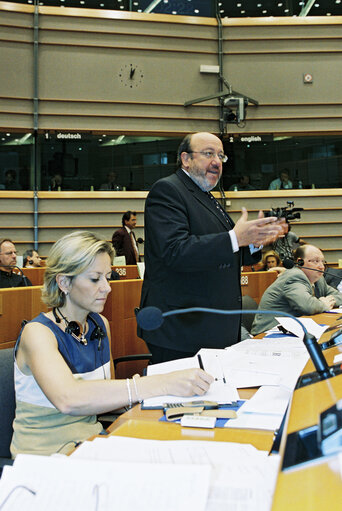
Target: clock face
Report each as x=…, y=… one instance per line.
x=131, y=75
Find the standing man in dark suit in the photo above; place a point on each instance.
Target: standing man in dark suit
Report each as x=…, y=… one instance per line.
x=124, y=240
x=193, y=253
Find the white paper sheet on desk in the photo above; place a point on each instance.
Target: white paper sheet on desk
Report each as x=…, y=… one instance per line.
x=243, y=478
x=289, y=346
x=272, y=364
x=220, y=392
x=265, y=410
x=80, y=485
x=311, y=326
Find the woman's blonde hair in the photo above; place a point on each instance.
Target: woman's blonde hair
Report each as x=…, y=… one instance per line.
x=70, y=256
x=270, y=253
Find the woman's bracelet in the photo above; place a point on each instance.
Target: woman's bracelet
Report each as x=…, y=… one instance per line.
x=136, y=388
x=129, y=393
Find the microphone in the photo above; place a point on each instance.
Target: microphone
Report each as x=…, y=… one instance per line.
x=151, y=318
x=17, y=268
x=290, y=263
x=140, y=241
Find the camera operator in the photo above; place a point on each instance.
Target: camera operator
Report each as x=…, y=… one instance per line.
x=285, y=246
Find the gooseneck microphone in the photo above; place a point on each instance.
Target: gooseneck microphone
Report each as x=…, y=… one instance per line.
x=151, y=318
x=20, y=270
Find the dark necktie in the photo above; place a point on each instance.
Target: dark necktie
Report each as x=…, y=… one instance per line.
x=218, y=206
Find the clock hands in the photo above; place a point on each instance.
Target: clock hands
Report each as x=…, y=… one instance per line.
x=131, y=74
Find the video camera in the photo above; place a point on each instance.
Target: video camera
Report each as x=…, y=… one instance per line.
x=289, y=212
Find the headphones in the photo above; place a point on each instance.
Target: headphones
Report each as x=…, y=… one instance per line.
x=30, y=261
x=75, y=329
x=300, y=262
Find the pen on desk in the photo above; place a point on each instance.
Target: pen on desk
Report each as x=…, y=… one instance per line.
x=200, y=362
x=223, y=377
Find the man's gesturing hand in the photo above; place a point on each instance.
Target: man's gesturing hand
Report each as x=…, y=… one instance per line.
x=262, y=231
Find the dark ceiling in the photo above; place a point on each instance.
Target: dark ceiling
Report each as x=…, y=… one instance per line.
x=226, y=8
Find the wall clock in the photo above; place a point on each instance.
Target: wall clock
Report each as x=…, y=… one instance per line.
x=131, y=75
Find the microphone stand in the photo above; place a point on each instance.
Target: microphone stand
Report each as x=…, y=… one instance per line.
x=151, y=318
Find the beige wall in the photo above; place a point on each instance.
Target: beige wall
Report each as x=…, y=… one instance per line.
x=82, y=54
x=63, y=212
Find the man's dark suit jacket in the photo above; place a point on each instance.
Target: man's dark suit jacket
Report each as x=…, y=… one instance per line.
x=189, y=262
x=123, y=246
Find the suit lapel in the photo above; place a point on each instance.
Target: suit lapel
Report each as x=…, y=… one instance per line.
x=201, y=196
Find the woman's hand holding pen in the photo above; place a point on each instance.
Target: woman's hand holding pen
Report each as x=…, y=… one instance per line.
x=188, y=382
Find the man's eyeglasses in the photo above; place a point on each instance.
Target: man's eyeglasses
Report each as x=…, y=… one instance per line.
x=14, y=252
x=210, y=155
x=317, y=262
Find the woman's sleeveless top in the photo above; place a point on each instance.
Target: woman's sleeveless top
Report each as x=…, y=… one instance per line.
x=39, y=428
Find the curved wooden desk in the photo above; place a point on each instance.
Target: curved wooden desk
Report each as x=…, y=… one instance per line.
x=311, y=487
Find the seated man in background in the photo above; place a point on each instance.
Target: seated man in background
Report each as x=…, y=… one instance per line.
x=31, y=259
x=8, y=261
x=111, y=183
x=282, y=182
x=300, y=291
x=242, y=185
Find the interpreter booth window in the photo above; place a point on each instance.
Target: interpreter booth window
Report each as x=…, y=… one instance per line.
x=263, y=162
x=16, y=152
x=84, y=161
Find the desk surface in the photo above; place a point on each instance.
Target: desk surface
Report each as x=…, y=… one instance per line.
x=313, y=487
x=139, y=423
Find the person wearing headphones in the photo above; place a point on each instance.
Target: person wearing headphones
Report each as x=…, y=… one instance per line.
x=63, y=365
x=300, y=291
x=31, y=259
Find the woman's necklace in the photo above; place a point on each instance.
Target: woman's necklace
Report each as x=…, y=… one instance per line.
x=74, y=328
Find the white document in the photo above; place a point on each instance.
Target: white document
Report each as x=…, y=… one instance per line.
x=243, y=478
x=119, y=261
x=69, y=484
x=265, y=410
x=141, y=270
x=219, y=391
x=253, y=363
x=311, y=326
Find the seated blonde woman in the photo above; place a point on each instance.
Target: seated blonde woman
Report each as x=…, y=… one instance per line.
x=271, y=261
x=63, y=364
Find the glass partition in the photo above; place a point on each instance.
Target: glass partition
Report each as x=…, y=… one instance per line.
x=86, y=161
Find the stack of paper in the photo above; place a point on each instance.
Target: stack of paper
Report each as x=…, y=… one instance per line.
x=41, y=483
x=265, y=410
x=242, y=477
x=253, y=362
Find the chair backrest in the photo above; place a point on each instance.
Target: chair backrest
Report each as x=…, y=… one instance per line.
x=7, y=401
x=247, y=319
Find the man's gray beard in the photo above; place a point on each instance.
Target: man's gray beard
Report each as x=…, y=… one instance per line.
x=202, y=183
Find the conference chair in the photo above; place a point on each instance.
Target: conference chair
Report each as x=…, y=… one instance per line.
x=7, y=405
x=247, y=319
